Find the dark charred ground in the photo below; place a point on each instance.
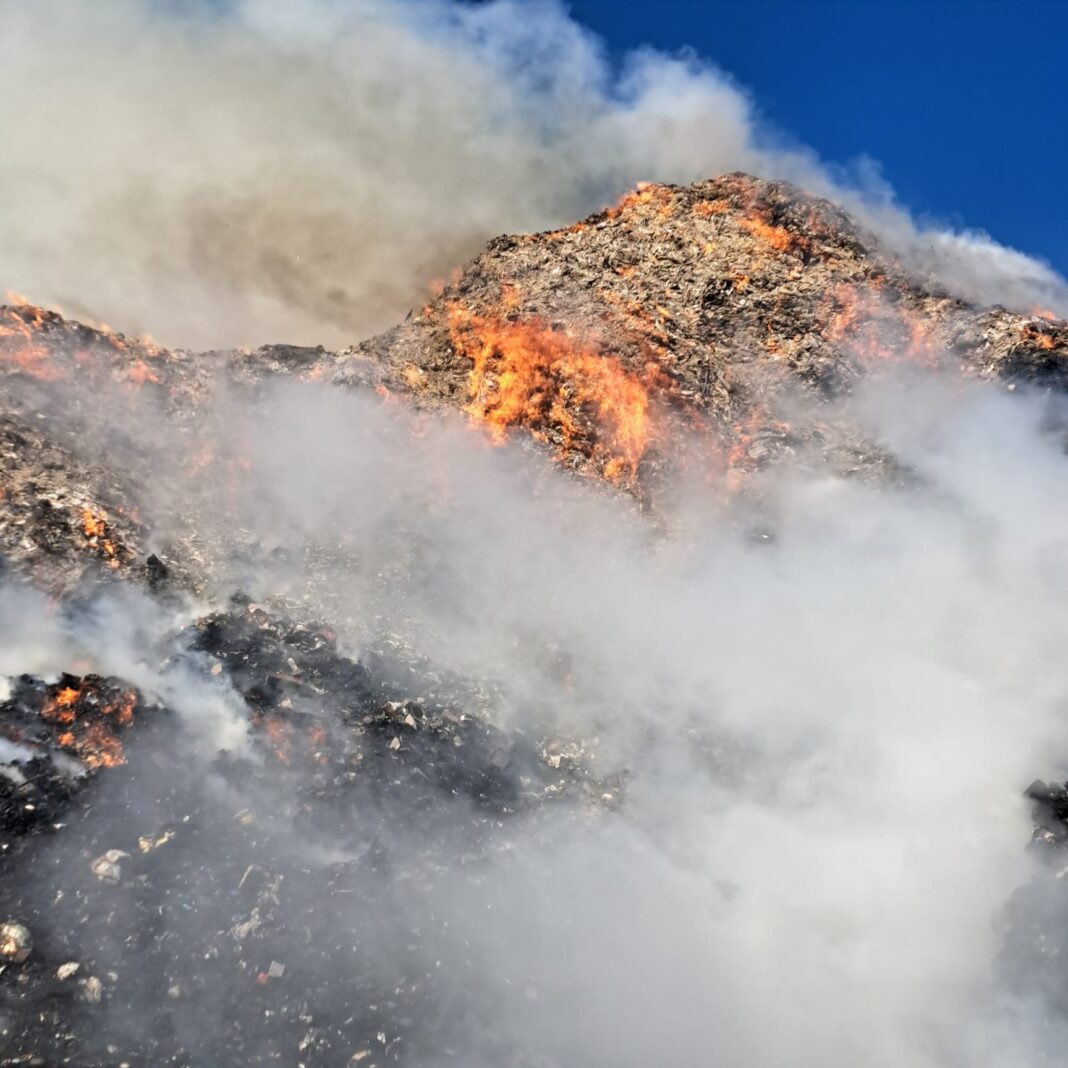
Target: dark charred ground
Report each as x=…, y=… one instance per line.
x=277, y=906
x=277, y=903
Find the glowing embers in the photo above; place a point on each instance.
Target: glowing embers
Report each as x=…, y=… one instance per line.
x=87, y=716
x=291, y=738
x=870, y=324
x=1044, y=335
x=646, y=194
x=527, y=374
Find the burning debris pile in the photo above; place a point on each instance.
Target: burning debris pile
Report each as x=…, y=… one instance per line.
x=704, y=308
x=281, y=889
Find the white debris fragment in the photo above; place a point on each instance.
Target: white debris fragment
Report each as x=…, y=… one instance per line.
x=395, y=744
x=16, y=942
x=65, y=971
x=276, y=970
x=93, y=990
x=107, y=867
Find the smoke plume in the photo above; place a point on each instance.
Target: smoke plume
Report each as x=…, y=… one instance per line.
x=257, y=171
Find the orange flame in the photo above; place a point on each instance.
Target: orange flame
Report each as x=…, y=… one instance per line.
x=138, y=373
x=95, y=528
x=90, y=733
x=526, y=374
x=60, y=707
x=645, y=193
x=279, y=736
x=778, y=238
x=19, y=344
x=875, y=329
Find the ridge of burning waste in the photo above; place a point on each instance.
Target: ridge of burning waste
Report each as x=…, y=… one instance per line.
x=708, y=307
x=631, y=344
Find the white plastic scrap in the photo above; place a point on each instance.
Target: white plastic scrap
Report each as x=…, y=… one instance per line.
x=107, y=867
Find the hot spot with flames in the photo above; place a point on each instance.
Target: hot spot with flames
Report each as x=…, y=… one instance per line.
x=89, y=714
x=528, y=375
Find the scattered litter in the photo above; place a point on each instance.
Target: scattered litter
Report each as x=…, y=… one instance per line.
x=107, y=867
x=16, y=942
x=146, y=845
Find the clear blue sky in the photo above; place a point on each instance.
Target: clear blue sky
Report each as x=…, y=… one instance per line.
x=965, y=104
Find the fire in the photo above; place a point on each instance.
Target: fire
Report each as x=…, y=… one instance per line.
x=1045, y=313
x=94, y=524
x=91, y=716
x=526, y=374
x=99, y=748
x=60, y=708
x=744, y=434
x=711, y=207
x=1037, y=336
x=778, y=238
x=874, y=328
x=279, y=737
x=19, y=343
x=95, y=529
x=139, y=373
x=645, y=193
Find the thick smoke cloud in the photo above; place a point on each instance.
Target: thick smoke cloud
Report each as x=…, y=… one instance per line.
x=264, y=171
x=826, y=732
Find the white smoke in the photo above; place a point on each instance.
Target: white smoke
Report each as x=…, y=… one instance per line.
x=266, y=171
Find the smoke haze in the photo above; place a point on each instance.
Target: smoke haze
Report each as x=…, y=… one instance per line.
x=825, y=732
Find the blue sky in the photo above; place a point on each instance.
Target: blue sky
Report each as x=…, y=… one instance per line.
x=964, y=104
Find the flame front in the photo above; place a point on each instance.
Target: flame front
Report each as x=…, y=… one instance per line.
x=526, y=374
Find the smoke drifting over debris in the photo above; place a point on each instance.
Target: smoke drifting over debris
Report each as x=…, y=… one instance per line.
x=256, y=171
x=342, y=722
x=796, y=733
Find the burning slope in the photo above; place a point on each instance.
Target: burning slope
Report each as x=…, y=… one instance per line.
x=711, y=304
x=678, y=313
